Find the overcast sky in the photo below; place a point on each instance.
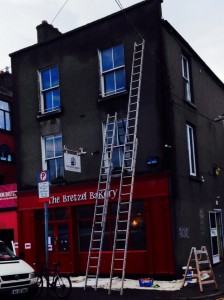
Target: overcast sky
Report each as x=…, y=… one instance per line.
x=200, y=22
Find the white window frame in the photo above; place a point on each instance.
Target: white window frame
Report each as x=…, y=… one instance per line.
x=102, y=78
x=6, y=115
x=186, y=78
x=120, y=147
x=42, y=107
x=191, y=150
x=43, y=148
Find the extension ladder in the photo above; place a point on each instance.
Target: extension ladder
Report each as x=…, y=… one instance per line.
x=121, y=234
x=100, y=211
x=201, y=267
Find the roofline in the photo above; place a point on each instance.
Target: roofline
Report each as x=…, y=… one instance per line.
x=144, y=2
x=176, y=34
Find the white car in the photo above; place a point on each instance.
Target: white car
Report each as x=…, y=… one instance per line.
x=16, y=276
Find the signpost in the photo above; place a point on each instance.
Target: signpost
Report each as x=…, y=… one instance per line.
x=44, y=196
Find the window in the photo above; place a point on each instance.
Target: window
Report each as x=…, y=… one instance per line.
x=53, y=156
x=112, y=70
x=118, y=143
x=137, y=238
x=49, y=89
x=5, y=116
x=5, y=154
x=186, y=78
x=191, y=150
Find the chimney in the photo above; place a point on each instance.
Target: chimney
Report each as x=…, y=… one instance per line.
x=46, y=32
x=6, y=80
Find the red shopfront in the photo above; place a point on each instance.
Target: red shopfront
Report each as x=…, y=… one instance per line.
x=70, y=221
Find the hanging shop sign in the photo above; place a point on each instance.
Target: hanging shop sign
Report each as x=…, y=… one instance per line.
x=72, y=162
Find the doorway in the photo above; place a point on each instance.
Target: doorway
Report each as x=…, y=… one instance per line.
x=216, y=235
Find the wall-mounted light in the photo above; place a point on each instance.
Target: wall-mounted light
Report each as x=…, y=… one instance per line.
x=217, y=170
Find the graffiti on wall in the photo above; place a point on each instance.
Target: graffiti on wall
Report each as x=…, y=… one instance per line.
x=184, y=232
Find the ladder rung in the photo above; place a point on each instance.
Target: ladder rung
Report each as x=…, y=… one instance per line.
x=203, y=262
x=208, y=281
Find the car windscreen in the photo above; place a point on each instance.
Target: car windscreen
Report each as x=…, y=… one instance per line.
x=6, y=253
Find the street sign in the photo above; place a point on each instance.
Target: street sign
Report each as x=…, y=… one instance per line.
x=43, y=185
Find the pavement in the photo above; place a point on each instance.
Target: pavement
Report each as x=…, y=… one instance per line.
x=190, y=291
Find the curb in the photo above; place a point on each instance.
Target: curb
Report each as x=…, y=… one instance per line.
x=201, y=297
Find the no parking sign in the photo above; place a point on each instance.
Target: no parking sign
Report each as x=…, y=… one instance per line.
x=43, y=185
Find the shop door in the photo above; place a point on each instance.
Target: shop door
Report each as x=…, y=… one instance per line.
x=59, y=244
x=216, y=234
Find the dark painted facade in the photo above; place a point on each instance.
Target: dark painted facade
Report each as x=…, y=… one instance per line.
x=63, y=97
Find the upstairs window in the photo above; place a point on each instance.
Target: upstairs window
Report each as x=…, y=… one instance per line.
x=186, y=78
x=49, y=90
x=191, y=149
x=53, y=156
x=119, y=140
x=5, y=154
x=112, y=70
x=5, y=116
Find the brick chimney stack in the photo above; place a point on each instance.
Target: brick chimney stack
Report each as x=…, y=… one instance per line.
x=46, y=32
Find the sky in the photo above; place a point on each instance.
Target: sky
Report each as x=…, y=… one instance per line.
x=200, y=22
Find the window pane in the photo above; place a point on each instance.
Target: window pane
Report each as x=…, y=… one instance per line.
x=107, y=63
x=120, y=80
x=48, y=100
x=45, y=75
x=61, y=213
x=2, y=120
x=7, y=122
x=4, y=105
x=52, y=169
x=109, y=83
x=59, y=167
x=54, y=76
x=56, y=99
x=58, y=146
x=118, y=56
x=63, y=241
x=84, y=234
x=49, y=147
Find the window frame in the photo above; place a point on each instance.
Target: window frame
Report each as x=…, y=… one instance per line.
x=191, y=147
x=186, y=78
x=46, y=160
x=114, y=70
x=52, y=88
x=6, y=119
x=118, y=146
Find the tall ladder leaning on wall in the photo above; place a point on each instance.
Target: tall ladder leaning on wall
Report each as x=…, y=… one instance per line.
x=121, y=234
x=101, y=204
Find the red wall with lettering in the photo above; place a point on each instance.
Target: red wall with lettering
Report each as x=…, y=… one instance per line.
x=158, y=256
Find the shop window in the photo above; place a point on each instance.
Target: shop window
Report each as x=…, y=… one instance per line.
x=49, y=90
x=53, y=156
x=137, y=239
x=112, y=70
x=5, y=116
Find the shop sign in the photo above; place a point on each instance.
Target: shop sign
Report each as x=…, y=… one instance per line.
x=85, y=196
x=72, y=162
x=8, y=196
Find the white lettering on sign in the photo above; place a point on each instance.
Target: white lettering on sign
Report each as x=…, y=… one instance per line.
x=81, y=197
